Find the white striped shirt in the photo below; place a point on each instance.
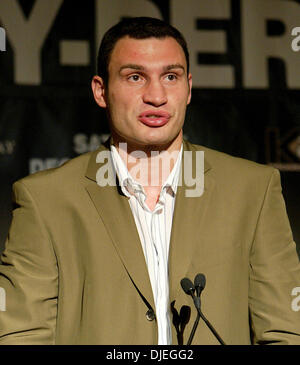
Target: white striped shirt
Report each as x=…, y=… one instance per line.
x=154, y=228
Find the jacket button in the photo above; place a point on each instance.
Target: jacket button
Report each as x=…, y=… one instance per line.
x=150, y=315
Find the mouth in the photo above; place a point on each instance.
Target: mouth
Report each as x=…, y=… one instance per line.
x=154, y=119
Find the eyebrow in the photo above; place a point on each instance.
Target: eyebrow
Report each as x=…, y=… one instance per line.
x=132, y=66
x=142, y=68
x=176, y=65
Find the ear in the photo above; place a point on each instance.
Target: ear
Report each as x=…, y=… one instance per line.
x=190, y=81
x=99, y=91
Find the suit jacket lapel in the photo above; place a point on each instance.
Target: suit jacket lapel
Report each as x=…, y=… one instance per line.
x=188, y=223
x=115, y=212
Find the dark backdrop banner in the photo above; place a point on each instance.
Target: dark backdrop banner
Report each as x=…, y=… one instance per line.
x=245, y=60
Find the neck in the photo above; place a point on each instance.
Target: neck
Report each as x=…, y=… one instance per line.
x=149, y=165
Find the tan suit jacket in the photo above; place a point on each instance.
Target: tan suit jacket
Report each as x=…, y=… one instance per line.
x=74, y=271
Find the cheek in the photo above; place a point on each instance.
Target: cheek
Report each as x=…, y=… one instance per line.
x=116, y=104
x=180, y=96
x=121, y=110
x=122, y=101
x=181, y=103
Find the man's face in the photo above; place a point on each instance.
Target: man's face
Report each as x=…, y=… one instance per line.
x=148, y=91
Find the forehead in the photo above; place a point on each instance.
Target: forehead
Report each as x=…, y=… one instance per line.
x=147, y=52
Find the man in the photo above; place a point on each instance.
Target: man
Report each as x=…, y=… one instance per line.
x=97, y=258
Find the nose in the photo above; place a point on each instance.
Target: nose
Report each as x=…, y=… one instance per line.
x=155, y=93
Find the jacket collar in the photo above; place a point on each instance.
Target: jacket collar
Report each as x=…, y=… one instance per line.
x=93, y=166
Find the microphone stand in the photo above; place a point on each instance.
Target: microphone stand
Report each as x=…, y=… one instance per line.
x=193, y=330
x=215, y=333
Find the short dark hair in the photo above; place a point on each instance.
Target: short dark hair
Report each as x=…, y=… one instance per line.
x=137, y=28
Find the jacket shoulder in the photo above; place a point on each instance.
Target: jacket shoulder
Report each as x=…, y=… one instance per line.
x=71, y=172
x=224, y=161
x=236, y=173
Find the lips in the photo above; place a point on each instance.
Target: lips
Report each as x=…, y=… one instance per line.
x=154, y=118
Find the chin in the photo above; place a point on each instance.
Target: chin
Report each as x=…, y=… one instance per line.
x=152, y=138
x=165, y=139
x=160, y=143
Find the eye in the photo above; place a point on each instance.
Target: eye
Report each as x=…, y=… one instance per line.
x=171, y=77
x=134, y=78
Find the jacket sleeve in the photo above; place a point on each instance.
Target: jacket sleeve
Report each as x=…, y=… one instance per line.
x=28, y=277
x=274, y=273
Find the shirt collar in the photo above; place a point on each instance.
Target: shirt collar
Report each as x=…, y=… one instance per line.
x=130, y=186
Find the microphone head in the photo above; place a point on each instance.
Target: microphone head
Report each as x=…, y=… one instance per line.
x=185, y=315
x=187, y=286
x=200, y=281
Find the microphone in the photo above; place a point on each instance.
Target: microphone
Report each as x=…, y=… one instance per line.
x=199, y=283
x=198, y=286
x=189, y=288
